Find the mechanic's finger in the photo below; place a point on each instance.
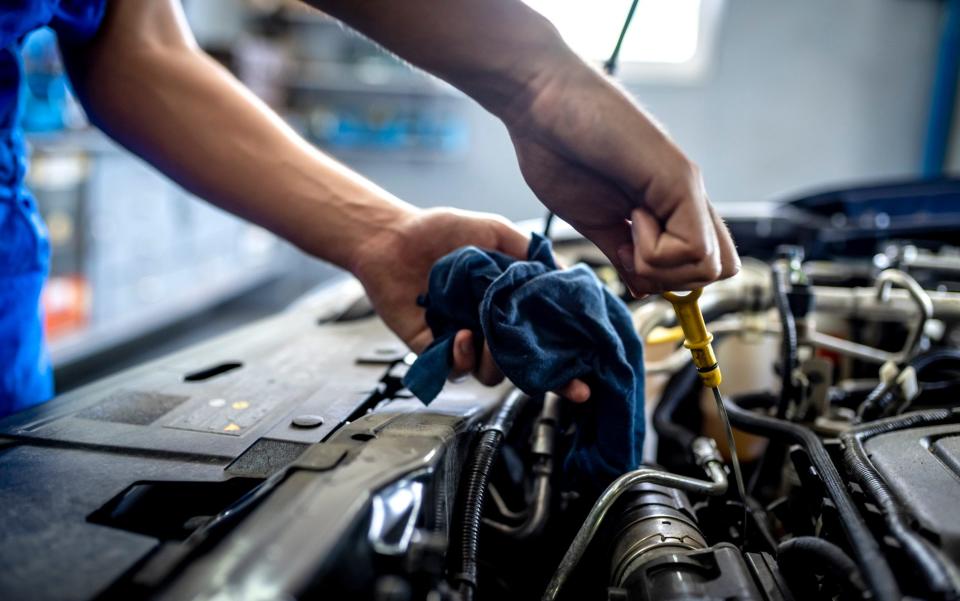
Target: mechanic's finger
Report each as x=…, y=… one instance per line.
x=511, y=241
x=658, y=246
x=575, y=390
x=464, y=354
x=662, y=248
x=729, y=258
x=686, y=277
x=487, y=371
x=699, y=266
x=644, y=279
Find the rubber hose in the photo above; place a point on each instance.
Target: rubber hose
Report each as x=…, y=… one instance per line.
x=866, y=552
x=788, y=343
x=918, y=550
x=477, y=476
x=930, y=359
x=679, y=387
x=796, y=554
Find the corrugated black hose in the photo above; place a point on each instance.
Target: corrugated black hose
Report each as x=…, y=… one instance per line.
x=866, y=552
x=788, y=342
x=924, y=556
x=473, y=494
x=795, y=557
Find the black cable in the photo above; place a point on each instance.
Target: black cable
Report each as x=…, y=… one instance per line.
x=882, y=398
x=873, y=565
x=548, y=224
x=609, y=67
x=473, y=493
x=798, y=556
x=918, y=550
x=788, y=342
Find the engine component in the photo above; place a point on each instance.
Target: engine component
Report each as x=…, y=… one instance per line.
x=698, y=340
x=659, y=553
x=867, y=553
x=923, y=555
x=542, y=448
x=708, y=457
x=477, y=476
x=656, y=521
x=798, y=554
x=715, y=573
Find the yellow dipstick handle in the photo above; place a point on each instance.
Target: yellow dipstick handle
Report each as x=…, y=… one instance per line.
x=698, y=339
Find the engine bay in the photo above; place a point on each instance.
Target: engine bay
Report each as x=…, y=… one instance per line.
x=287, y=461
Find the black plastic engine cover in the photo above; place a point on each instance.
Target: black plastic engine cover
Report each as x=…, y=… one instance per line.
x=922, y=467
x=110, y=483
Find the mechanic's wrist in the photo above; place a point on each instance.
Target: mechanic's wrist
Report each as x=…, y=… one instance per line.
x=340, y=219
x=552, y=86
x=519, y=81
x=369, y=242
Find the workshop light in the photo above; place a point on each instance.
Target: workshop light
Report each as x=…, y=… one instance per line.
x=663, y=31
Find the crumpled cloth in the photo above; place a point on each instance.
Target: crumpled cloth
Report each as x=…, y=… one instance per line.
x=544, y=327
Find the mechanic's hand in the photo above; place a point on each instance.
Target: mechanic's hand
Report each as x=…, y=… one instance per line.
x=601, y=164
x=394, y=269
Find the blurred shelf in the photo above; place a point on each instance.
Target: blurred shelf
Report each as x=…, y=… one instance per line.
x=100, y=338
x=89, y=140
x=422, y=88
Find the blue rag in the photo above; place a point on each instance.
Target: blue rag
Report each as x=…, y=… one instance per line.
x=544, y=327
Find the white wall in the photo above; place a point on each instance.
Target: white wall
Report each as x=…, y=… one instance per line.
x=801, y=95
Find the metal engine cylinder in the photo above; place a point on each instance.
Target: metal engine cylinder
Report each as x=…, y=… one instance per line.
x=657, y=521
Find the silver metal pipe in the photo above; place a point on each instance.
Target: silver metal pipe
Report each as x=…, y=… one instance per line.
x=537, y=512
x=847, y=347
x=538, y=509
x=863, y=303
x=708, y=457
x=919, y=296
x=502, y=506
x=923, y=309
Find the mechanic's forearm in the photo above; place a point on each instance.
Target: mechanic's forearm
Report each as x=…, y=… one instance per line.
x=513, y=61
x=497, y=51
x=171, y=104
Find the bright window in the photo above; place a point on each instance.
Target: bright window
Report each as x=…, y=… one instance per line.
x=669, y=35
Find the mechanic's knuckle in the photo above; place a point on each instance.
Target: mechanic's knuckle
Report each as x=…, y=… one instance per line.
x=731, y=269
x=711, y=270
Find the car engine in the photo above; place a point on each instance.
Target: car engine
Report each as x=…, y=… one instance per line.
x=287, y=461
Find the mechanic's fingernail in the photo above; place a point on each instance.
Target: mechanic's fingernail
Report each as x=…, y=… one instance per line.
x=464, y=347
x=625, y=255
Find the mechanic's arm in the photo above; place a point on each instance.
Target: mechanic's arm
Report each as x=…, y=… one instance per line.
x=588, y=151
x=144, y=81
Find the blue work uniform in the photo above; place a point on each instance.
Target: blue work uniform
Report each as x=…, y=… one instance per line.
x=25, y=372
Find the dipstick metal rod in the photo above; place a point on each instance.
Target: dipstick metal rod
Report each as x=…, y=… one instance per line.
x=699, y=341
x=731, y=444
